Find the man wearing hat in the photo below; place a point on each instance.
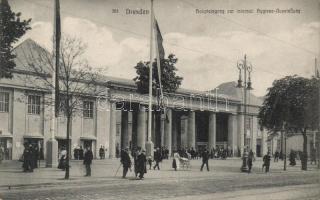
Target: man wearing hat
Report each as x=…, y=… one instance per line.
x=125, y=161
x=87, y=161
x=141, y=164
x=157, y=158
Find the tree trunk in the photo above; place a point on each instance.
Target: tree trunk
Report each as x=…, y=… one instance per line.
x=68, y=148
x=304, y=158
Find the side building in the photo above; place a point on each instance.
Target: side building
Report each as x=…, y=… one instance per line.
x=118, y=118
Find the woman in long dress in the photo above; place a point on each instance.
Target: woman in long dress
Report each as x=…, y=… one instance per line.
x=176, y=161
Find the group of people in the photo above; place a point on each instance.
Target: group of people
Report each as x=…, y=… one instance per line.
x=218, y=152
x=249, y=158
x=30, y=157
x=32, y=154
x=293, y=155
x=102, y=152
x=4, y=153
x=140, y=162
x=85, y=154
x=78, y=153
x=183, y=156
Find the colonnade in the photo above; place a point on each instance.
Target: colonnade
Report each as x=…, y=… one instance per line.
x=175, y=130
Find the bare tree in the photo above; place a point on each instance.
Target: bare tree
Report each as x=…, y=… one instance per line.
x=77, y=80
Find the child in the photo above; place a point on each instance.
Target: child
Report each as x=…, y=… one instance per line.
x=149, y=161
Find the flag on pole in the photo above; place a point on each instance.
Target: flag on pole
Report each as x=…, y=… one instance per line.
x=57, y=38
x=159, y=40
x=160, y=56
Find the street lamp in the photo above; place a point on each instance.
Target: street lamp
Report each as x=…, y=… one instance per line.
x=284, y=131
x=245, y=67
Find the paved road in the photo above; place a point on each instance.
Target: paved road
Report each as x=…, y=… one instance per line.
x=224, y=181
x=175, y=188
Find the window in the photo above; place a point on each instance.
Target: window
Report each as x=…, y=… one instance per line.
x=248, y=123
x=4, y=102
x=88, y=109
x=34, y=104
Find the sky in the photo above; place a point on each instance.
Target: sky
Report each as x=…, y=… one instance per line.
x=207, y=45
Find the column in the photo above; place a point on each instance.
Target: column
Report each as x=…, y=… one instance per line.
x=102, y=130
x=124, y=130
x=162, y=122
x=184, y=131
x=113, y=126
x=191, y=129
x=142, y=128
x=264, y=143
x=153, y=132
x=168, y=130
x=232, y=133
x=254, y=133
x=130, y=129
x=174, y=132
x=212, y=130
x=240, y=133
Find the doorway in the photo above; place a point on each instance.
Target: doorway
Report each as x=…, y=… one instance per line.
x=37, y=143
x=6, y=145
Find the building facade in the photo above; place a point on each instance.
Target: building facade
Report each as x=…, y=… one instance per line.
x=118, y=119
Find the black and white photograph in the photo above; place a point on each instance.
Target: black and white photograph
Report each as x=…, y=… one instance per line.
x=159, y=99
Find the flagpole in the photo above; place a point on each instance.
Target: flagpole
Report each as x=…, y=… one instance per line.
x=316, y=143
x=149, y=146
x=52, y=144
x=150, y=76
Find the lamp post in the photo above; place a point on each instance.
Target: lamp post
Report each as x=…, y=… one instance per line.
x=284, y=131
x=245, y=77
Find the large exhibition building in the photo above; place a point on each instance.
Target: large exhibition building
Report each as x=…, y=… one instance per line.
x=192, y=119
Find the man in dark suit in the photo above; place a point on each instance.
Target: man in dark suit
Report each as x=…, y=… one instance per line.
x=88, y=156
x=141, y=164
x=157, y=158
x=205, y=159
x=266, y=161
x=125, y=161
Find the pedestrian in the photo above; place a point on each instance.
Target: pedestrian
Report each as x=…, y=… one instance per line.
x=41, y=153
x=157, y=158
x=101, y=153
x=35, y=156
x=125, y=161
x=176, y=161
x=105, y=152
x=81, y=153
x=292, y=158
x=135, y=154
x=205, y=159
x=149, y=159
x=32, y=158
x=276, y=156
x=87, y=161
x=1, y=154
x=166, y=153
x=266, y=161
x=250, y=160
x=313, y=156
x=76, y=153
x=27, y=159
x=141, y=164
x=62, y=160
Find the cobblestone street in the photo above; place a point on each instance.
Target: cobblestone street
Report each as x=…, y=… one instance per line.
x=223, y=181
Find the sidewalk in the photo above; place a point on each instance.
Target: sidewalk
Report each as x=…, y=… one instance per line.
x=309, y=192
x=104, y=171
